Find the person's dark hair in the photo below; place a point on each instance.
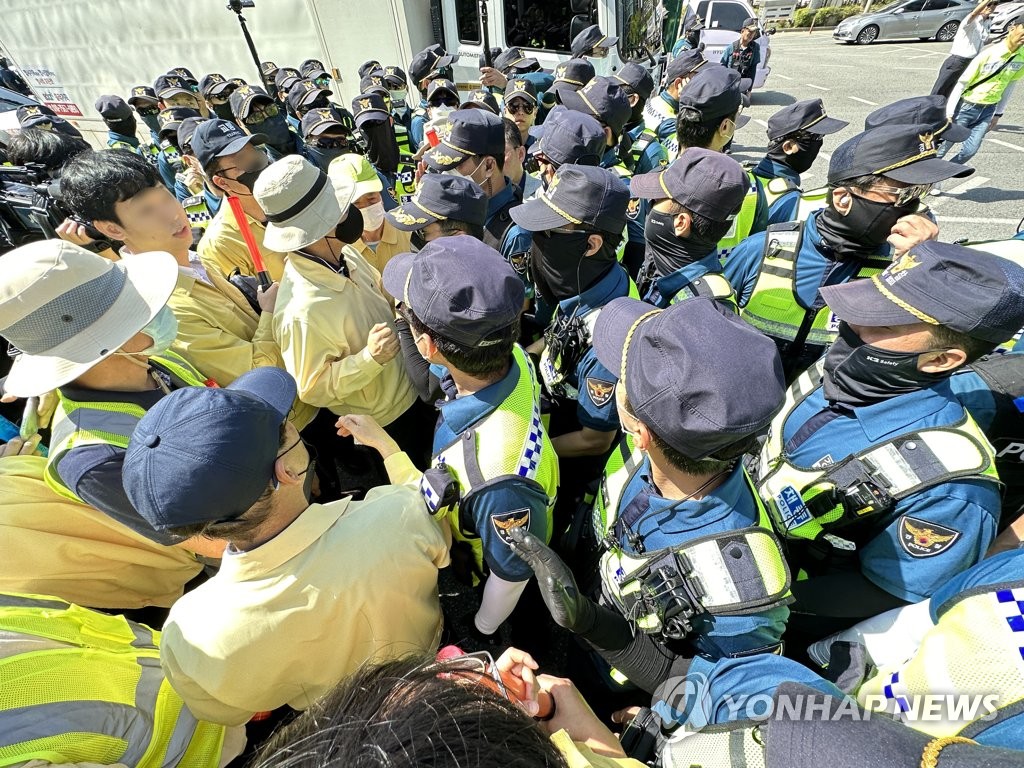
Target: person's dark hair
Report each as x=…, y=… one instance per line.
x=974, y=347
x=865, y=182
x=94, y=182
x=498, y=159
x=720, y=462
x=452, y=226
x=698, y=133
x=411, y=713
x=492, y=360
x=238, y=531
x=703, y=228
x=512, y=134
x=51, y=148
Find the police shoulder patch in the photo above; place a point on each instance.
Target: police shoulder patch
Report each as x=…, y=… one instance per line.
x=600, y=391
x=922, y=538
x=506, y=521
x=633, y=208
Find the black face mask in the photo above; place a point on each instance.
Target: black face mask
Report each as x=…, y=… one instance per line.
x=323, y=157
x=223, y=111
x=560, y=269
x=278, y=134
x=859, y=374
x=125, y=126
x=351, y=229
x=248, y=179
x=152, y=122
x=801, y=160
x=864, y=229
x=666, y=250
x=381, y=145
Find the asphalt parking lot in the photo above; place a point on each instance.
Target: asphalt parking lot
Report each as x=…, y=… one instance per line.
x=854, y=80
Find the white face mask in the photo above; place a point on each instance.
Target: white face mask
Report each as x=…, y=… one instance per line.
x=373, y=216
x=440, y=112
x=398, y=97
x=162, y=329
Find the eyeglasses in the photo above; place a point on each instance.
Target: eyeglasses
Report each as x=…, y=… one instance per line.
x=520, y=106
x=479, y=668
x=904, y=195
x=261, y=114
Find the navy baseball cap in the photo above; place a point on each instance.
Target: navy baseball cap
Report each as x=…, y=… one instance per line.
x=962, y=289
x=808, y=116
x=172, y=479
x=313, y=69
x=495, y=53
x=590, y=38
x=367, y=67
x=714, y=93
x=316, y=121
x=602, y=98
x=186, y=131
x=185, y=74
x=171, y=85
x=572, y=75
x=219, y=138
x=286, y=77
x=369, y=106
x=374, y=82
x=440, y=86
x=481, y=99
x=242, y=98
x=441, y=196
x=215, y=84
x=114, y=110
x=569, y=136
x=520, y=89
x=142, y=96
x=514, y=60
x=686, y=63
x=170, y=119
x=701, y=180
x=426, y=62
x=930, y=110
x=304, y=93
x=472, y=132
x=469, y=305
x=268, y=68
x=679, y=367
x=395, y=78
x=905, y=153
x=637, y=78
x=591, y=197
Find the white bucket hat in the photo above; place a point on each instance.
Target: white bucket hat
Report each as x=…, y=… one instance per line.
x=67, y=309
x=301, y=202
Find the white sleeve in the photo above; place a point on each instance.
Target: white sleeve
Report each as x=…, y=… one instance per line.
x=500, y=597
x=894, y=636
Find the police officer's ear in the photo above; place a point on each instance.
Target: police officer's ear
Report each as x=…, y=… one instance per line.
x=943, y=361
x=790, y=147
x=609, y=137
x=842, y=200
x=594, y=243
x=682, y=224
x=634, y=99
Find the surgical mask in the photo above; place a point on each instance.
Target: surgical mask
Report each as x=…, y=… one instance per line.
x=162, y=329
x=223, y=111
x=472, y=174
x=868, y=224
x=859, y=374
x=373, y=216
x=440, y=112
x=398, y=99
x=560, y=269
x=668, y=251
x=801, y=160
x=276, y=129
x=349, y=230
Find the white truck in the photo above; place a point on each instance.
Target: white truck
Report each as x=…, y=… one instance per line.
x=72, y=51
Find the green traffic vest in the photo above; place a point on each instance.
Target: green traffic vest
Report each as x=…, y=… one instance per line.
x=100, y=698
x=197, y=211
x=105, y=422
x=810, y=503
x=744, y=221
x=508, y=443
x=777, y=187
x=712, y=285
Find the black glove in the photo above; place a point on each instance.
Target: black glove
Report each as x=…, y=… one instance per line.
x=569, y=608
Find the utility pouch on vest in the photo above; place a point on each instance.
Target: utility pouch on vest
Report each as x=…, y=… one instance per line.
x=726, y=574
x=440, y=490
x=783, y=240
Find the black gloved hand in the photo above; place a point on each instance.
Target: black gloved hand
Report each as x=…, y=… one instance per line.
x=568, y=607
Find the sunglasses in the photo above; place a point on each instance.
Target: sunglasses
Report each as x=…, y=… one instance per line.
x=520, y=106
x=445, y=103
x=330, y=142
x=904, y=195
x=261, y=114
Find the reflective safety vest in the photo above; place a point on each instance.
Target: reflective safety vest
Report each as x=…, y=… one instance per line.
x=567, y=340
x=810, y=503
x=639, y=147
x=712, y=285
x=975, y=650
x=743, y=223
x=106, y=422
x=508, y=443
x=656, y=112
x=811, y=200
x=737, y=744
x=404, y=141
x=173, y=156
x=197, y=211
x=730, y=573
x=775, y=188
x=99, y=697
x=151, y=152
x=404, y=187
x=622, y=464
x=122, y=145
x=774, y=308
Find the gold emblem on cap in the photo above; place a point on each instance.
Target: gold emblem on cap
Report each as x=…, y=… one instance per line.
x=216, y=79
x=406, y=218
x=364, y=103
x=174, y=82
x=479, y=96
x=33, y=111
x=905, y=263
x=927, y=141
x=560, y=72
x=389, y=71
x=518, y=85
x=376, y=81
x=448, y=159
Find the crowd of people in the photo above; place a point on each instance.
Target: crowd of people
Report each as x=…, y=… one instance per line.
x=522, y=426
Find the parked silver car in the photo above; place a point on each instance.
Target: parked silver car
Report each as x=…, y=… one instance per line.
x=923, y=19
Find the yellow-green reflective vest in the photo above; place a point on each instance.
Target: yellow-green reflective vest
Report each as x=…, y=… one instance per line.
x=622, y=464
x=508, y=443
x=656, y=112
x=773, y=307
x=744, y=221
x=106, y=422
x=99, y=698
x=776, y=187
x=810, y=503
x=713, y=285
x=971, y=659
x=197, y=211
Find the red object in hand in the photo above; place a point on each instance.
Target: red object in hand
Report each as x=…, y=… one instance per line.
x=250, y=242
x=432, y=139
x=515, y=687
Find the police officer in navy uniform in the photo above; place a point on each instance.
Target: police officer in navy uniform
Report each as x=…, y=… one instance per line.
x=284, y=79
x=646, y=153
x=795, y=136
x=170, y=163
x=396, y=170
x=592, y=42
x=475, y=148
x=880, y=479
x=512, y=64
x=661, y=111
x=216, y=91
x=313, y=69
x=120, y=122
x=398, y=92
x=570, y=75
x=568, y=137
x=481, y=98
x=304, y=96
x=190, y=187
x=577, y=223
x=325, y=136
x=433, y=61
x=147, y=107
x=695, y=200
x=256, y=112
x=876, y=181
